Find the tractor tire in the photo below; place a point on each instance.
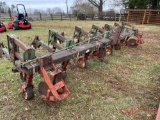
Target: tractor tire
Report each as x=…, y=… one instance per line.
x=15, y=26
x=28, y=94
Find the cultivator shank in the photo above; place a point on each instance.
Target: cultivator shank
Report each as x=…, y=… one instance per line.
x=129, y=36
x=54, y=88
x=38, y=43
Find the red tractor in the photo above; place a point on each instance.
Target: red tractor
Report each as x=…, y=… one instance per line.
x=2, y=27
x=21, y=22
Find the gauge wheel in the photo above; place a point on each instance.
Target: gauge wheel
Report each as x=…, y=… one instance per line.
x=28, y=93
x=132, y=43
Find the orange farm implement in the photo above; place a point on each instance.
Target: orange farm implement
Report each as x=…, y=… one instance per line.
x=61, y=50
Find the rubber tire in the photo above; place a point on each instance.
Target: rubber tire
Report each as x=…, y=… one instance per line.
x=28, y=94
x=15, y=26
x=130, y=42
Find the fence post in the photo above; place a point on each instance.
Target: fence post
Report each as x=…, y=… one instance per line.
x=128, y=19
x=70, y=17
x=40, y=15
x=51, y=16
x=9, y=12
x=61, y=16
x=144, y=16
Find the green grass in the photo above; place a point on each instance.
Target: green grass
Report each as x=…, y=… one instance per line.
x=103, y=91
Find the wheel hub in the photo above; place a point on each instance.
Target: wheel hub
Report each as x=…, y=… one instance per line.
x=132, y=43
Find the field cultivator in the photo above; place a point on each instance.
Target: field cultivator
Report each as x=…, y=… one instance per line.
x=61, y=50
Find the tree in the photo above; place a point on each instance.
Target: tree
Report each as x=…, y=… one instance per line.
x=141, y=4
x=83, y=7
x=12, y=7
x=57, y=10
x=36, y=11
x=76, y=8
x=98, y=4
x=155, y=4
x=3, y=7
x=49, y=10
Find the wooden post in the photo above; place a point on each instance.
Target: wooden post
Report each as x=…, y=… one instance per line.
x=61, y=16
x=70, y=17
x=40, y=15
x=128, y=16
x=9, y=12
x=115, y=16
x=51, y=16
x=120, y=16
x=148, y=16
x=144, y=17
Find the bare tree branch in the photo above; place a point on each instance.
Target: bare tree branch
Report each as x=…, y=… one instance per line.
x=93, y=2
x=104, y=1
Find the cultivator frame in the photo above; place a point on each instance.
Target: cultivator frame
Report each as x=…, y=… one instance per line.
x=62, y=50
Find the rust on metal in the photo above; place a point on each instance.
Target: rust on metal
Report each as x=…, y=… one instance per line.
x=98, y=43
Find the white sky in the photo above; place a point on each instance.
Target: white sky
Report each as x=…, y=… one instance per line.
x=41, y=4
x=44, y=4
